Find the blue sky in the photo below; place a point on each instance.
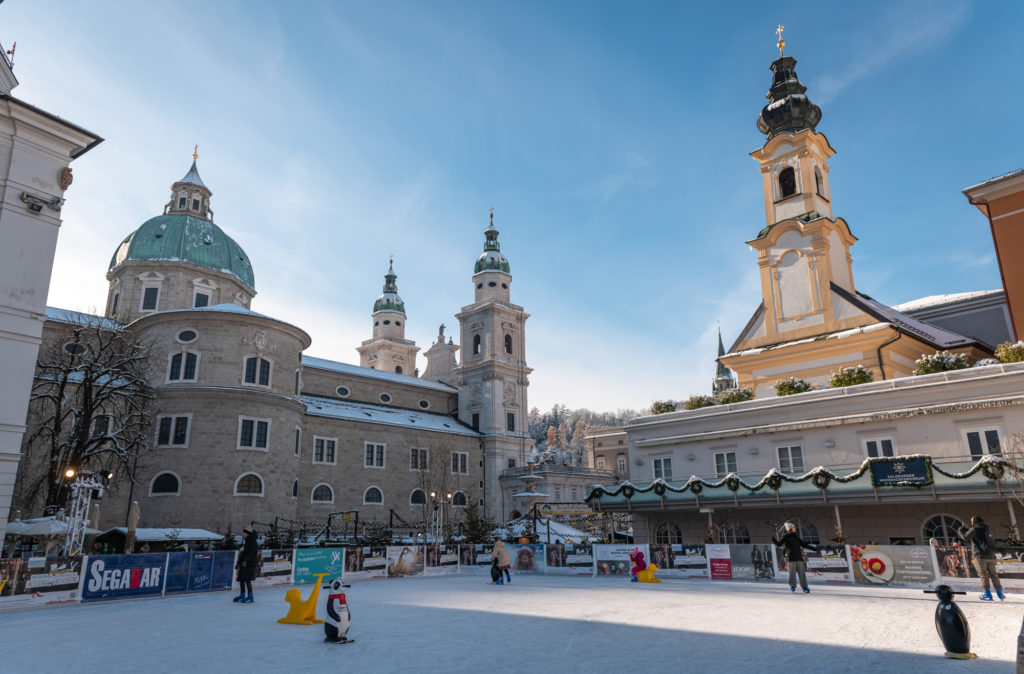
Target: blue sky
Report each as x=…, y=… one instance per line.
x=611, y=138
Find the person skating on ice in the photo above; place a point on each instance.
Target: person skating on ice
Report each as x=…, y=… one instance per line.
x=248, y=564
x=794, y=550
x=983, y=555
x=504, y=561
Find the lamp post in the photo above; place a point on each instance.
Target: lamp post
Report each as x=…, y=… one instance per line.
x=84, y=487
x=439, y=515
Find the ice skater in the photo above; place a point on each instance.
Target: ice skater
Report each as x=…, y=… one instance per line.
x=248, y=565
x=794, y=547
x=504, y=561
x=983, y=556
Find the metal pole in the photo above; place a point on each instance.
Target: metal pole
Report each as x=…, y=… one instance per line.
x=839, y=522
x=1013, y=518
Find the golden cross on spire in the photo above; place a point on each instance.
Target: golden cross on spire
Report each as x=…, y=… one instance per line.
x=492, y=215
x=781, y=43
x=391, y=260
x=195, y=152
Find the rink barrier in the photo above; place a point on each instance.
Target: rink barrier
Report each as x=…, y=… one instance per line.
x=39, y=581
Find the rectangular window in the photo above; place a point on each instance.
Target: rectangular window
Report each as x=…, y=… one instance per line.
x=113, y=304
x=511, y=463
x=201, y=300
x=150, y=297
x=298, y=441
x=253, y=433
x=725, y=463
x=791, y=459
x=621, y=465
x=100, y=425
x=195, y=204
x=510, y=421
x=191, y=360
x=418, y=459
x=264, y=372
x=182, y=202
x=250, y=370
x=663, y=468
x=175, y=373
x=460, y=463
x=172, y=431
x=558, y=493
x=982, y=441
x=575, y=494
x=324, y=450
x=876, y=447
x=257, y=371
x=600, y=463
x=374, y=455
x=476, y=421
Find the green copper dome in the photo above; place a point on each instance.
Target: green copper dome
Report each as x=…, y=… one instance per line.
x=491, y=259
x=189, y=239
x=389, y=299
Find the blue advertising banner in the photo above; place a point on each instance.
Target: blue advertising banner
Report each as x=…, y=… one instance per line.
x=311, y=561
x=119, y=576
x=178, y=564
x=223, y=569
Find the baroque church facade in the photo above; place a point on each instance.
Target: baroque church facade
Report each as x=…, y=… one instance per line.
x=250, y=428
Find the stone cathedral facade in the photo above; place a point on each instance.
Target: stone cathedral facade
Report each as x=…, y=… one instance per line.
x=250, y=428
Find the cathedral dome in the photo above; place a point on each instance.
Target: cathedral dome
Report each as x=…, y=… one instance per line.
x=491, y=259
x=185, y=238
x=389, y=299
x=788, y=110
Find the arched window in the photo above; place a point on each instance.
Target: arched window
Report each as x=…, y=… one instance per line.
x=183, y=366
x=943, y=528
x=257, y=371
x=514, y=515
x=508, y=343
x=805, y=529
x=787, y=182
x=166, y=484
x=417, y=497
x=249, y=484
x=734, y=532
x=666, y=532
x=373, y=496
x=476, y=345
x=295, y=488
x=819, y=182
x=398, y=369
x=322, y=493
x=459, y=500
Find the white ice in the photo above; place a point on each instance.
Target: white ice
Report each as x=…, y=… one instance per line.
x=461, y=623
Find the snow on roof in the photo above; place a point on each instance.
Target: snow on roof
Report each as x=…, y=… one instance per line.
x=927, y=332
x=320, y=406
x=941, y=300
x=79, y=318
x=984, y=183
x=358, y=371
x=169, y=533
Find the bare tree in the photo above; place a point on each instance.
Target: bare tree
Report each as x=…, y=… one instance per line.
x=447, y=472
x=91, y=408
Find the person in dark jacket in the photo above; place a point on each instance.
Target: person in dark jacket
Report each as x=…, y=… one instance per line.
x=794, y=549
x=248, y=565
x=983, y=555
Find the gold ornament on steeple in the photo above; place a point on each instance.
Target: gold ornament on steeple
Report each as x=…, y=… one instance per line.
x=195, y=152
x=781, y=43
x=492, y=216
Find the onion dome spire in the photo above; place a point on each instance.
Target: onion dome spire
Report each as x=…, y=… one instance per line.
x=788, y=109
x=491, y=259
x=389, y=299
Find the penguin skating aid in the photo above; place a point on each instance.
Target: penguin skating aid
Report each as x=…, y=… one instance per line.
x=339, y=619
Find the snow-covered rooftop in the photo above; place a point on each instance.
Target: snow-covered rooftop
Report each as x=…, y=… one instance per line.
x=941, y=300
x=79, y=318
x=169, y=533
x=320, y=406
x=358, y=371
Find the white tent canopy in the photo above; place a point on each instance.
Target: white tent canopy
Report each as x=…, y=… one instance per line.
x=42, y=527
x=153, y=535
x=546, y=526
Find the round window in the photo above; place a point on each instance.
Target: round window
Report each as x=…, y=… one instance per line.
x=398, y=322
x=505, y=286
x=376, y=323
x=187, y=336
x=479, y=286
x=491, y=284
x=343, y=391
x=385, y=398
x=387, y=322
x=424, y=404
x=74, y=349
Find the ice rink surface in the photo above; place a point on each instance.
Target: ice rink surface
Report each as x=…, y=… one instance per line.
x=461, y=623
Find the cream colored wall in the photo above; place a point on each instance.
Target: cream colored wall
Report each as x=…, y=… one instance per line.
x=177, y=287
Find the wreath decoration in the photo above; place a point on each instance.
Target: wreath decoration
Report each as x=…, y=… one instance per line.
x=733, y=483
x=628, y=491
x=696, y=487
x=993, y=471
x=773, y=481
x=821, y=480
x=659, y=488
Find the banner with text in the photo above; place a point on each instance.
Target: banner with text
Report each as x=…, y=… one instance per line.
x=405, y=560
x=719, y=561
x=893, y=565
x=312, y=561
x=526, y=558
x=475, y=558
x=441, y=560
x=613, y=560
x=120, y=576
x=189, y=572
x=276, y=568
x=34, y=581
x=364, y=563
x=568, y=559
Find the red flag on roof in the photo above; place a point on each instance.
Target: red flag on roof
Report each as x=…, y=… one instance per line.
x=13, y=47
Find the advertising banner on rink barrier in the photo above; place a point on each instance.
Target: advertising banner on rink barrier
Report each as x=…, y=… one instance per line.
x=719, y=561
x=121, y=576
x=526, y=558
x=189, y=572
x=311, y=561
x=35, y=581
x=956, y=569
x=569, y=559
x=441, y=560
x=405, y=560
x=475, y=558
x=893, y=565
x=613, y=560
x=679, y=561
x=364, y=563
x=829, y=564
x=275, y=569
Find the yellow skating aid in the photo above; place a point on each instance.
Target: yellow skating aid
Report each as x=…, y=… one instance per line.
x=647, y=575
x=302, y=611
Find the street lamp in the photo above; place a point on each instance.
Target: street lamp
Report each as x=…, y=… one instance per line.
x=85, y=487
x=439, y=515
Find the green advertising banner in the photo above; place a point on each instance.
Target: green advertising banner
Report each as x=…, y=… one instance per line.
x=311, y=561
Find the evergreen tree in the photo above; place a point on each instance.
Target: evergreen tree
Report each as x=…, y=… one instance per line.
x=476, y=527
x=228, y=542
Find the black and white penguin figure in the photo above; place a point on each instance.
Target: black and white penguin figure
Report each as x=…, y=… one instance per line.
x=338, y=617
x=951, y=624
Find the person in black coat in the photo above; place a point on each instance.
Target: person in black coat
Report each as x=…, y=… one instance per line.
x=983, y=555
x=794, y=549
x=248, y=566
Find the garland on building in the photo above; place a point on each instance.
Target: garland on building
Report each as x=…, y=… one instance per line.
x=992, y=466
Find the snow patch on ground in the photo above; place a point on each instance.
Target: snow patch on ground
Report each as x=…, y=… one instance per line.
x=566, y=624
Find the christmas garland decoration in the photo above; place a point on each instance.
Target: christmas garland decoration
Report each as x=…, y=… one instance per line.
x=992, y=466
